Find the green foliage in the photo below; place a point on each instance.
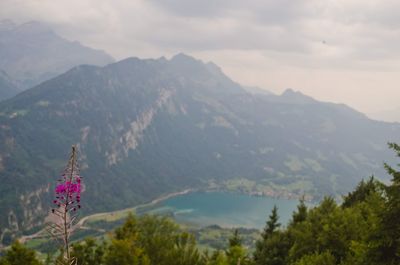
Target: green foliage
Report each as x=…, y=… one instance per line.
x=235, y=240
x=207, y=127
x=88, y=252
x=272, y=223
x=147, y=240
x=385, y=241
x=324, y=258
x=125, y=252
x=363, y=230
x=301, y=214
x=19, y=255
x=361, y=193
x=155, y=235
x=236, y=253
x=185, y=251
x=272, y=248
x=218, y=258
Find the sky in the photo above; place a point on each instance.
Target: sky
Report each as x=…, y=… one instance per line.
x=345, y=51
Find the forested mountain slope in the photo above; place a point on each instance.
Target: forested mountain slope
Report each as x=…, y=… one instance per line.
x=148, y=127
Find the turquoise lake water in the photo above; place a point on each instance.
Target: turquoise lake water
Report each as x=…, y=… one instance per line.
x=227, y=209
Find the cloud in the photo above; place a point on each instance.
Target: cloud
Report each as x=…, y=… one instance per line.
x=333, y=28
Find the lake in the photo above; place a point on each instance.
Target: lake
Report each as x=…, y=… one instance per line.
x=226, y=209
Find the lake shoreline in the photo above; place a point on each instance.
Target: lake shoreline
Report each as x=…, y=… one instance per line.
x=227, y=209
x=121, y=213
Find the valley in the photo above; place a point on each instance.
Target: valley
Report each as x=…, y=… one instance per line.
x=145, y=128
x=210, y=215
x=199, y=133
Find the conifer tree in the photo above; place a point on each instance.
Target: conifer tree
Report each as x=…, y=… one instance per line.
x=235, y=240
x=236, y=253
x=273, y=247
x=301, y=214
x=272, y=223
x=361, y=193
x=386, y=243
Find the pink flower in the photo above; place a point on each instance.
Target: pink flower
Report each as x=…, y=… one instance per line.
x=61, y=188
x=68, y=188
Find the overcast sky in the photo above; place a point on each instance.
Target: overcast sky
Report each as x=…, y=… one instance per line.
x=334, y=50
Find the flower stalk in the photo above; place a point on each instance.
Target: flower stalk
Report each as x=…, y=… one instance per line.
x=67, y=203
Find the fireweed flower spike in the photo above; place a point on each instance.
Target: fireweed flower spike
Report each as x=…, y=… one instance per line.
x=66, y=204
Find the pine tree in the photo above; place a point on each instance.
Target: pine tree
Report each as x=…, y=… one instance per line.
x=386, y=245
x=235, y=240
x=273, y=247
x=236, y=253
x=272, y=223
x=363, y=190
x=301, y=214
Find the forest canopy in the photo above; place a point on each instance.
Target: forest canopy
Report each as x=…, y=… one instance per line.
x=362, y=230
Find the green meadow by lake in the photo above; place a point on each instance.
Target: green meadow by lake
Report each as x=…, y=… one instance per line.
x=226, y=209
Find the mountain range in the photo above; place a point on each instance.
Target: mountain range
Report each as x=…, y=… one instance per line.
x=31, y=53
x=148, y=127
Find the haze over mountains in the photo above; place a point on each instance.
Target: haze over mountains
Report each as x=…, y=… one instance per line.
x=392, y=115
x=231, y=132
x=148, y=127
x=31, y=53
x=8, y=88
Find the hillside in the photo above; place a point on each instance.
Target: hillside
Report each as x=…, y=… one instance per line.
x=148, y=127
x=7, y=86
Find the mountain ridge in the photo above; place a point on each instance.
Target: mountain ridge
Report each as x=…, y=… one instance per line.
x=154, y=126
x=7, y=86
x=32, y=52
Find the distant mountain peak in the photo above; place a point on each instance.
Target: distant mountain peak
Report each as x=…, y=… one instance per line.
x=162, y=59
x=129, y=60
x=184, y=59
x=296, y=96
x=32, y=52
x=291, y=91
x=156, y=126
x=214, y=68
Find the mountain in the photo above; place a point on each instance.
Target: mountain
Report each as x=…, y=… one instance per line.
x=7, y=86
x=257, y=90
x=31, y=53
x=149, y=127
